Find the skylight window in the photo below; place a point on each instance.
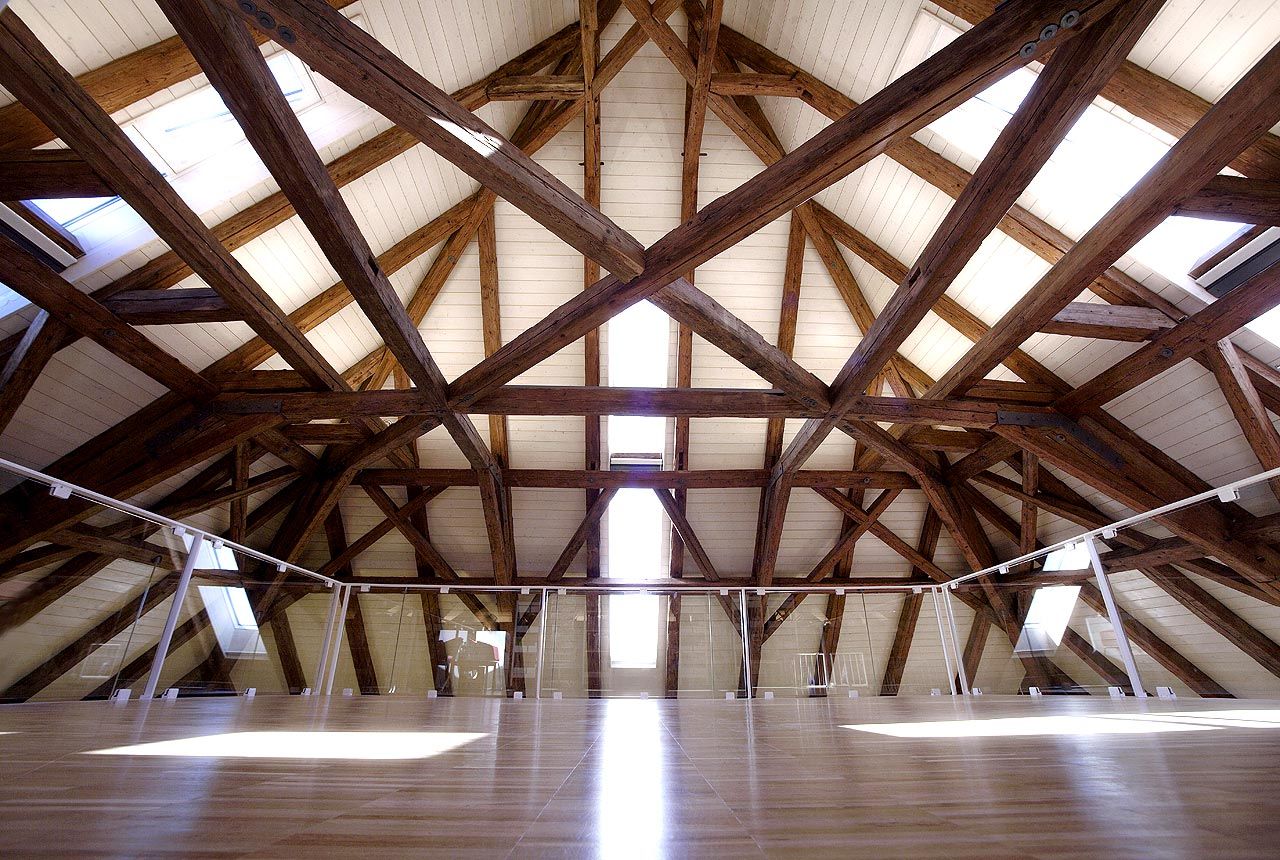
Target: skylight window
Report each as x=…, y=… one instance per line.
x=1047, y=619
x=1098, y=162
x=639, y=342
x=188, y=130
x=232, y=619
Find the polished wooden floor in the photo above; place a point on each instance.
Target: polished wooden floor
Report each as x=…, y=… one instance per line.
x=991, y=777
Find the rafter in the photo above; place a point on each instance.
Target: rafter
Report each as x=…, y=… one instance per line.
x=354, y=60
x=1057, y=99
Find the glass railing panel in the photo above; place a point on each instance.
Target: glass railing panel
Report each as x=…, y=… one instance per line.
x=930, y=667
x=1199, y=624
x=1048, y=628
x=641, y=644
x=76, y=647
x=707, y=644
x=791, y=659
x=565, y=661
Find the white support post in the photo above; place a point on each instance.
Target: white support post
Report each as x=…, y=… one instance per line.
x=542, y=645
x=745, y=624
x=323, y=662
x=942, y=639
x=171, y=623
x=955, y=640
x=337, y=640
x=1113, y=612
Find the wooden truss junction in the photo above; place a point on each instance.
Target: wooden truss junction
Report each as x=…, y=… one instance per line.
x=243, y=430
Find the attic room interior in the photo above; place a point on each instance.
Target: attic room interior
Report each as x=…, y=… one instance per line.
x=639, y=429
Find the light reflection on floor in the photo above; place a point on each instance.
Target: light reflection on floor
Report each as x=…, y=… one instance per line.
x=1104, y=724
x=304, y=745
x=630, y=806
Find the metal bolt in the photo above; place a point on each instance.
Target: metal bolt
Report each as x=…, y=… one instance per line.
x=1070, y=19
x=286, y=36
x=1166, y=352
x=1049, y=31
x=1028, y=51
x=1060, y=437
x=248, y=8
x=266, y=21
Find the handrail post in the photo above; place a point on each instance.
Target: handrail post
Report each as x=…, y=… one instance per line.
x=1113, y=612
x=955, y=641
x=336, y=649
x=323, y=661
x=171, y=622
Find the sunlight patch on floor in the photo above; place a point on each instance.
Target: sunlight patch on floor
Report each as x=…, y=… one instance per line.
x=304, y=745
x=1117, y=724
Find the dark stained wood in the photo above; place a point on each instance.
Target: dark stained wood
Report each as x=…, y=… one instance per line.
x=354, y=60
x=591, y=400
x=755, y=84
x=536, y=88
x=1154, y=99
x=1251, y=415
x=1071, y=78
x=28, y=277
x=581, y=535
x=865, y=521
x=66, y=658
x=1236, y=243
x=30, y=71
x=1235, y=198
x=1159, y=650
x=357, y=637
x=1213, y=612
x=966, y=66
x=40, y=174
x=27, y=362
x=902, y=638
x=701, y=479
x=681, y=524
x=241, y=76
x=1240, y=117
x=170, y=307
x=1108, y=322
x=1202, y=329
x=115, y=85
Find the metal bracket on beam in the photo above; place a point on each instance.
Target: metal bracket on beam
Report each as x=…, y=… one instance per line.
x=1058, y=421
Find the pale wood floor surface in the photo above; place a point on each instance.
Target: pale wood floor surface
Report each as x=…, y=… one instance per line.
x=647, y=779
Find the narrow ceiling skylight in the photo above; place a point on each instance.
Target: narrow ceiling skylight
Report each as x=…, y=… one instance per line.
x=639, y=344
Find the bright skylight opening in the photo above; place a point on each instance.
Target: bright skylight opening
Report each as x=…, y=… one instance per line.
x=185, y=133
x=639, y=343
x=188, y=130
x=232, y=619
x=638, y=355
x=1102, y=157
x=1051, y=610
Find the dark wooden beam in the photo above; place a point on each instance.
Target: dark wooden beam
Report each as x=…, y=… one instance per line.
x=1154, y=99
x=1235, y=198
x=355, y=61
x=28, y=277
x=1108, y=322
x=295, y=406
x=967, y=66
x=335, y=531
x=536, y=88
x=1061, y=93
x=1239, y=118
x=40, y=174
